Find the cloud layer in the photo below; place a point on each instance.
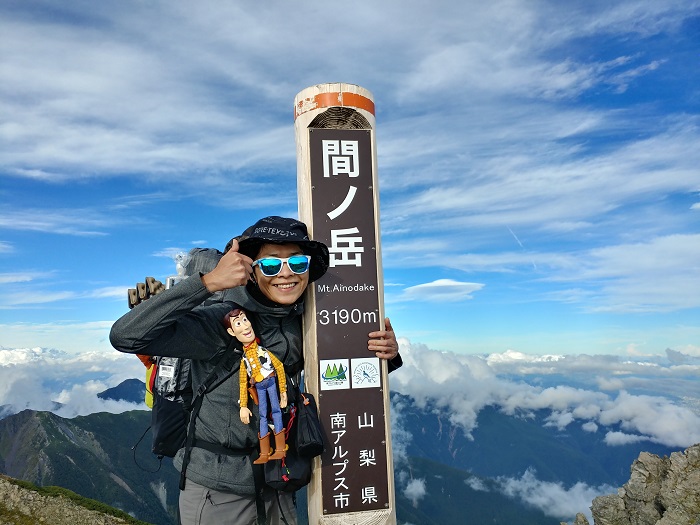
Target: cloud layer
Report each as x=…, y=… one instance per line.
x=38, y=378
x=650, y=399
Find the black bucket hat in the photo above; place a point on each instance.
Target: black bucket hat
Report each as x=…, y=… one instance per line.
x=282, y=230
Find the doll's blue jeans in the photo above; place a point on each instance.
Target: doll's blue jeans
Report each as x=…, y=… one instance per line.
x=267, y=395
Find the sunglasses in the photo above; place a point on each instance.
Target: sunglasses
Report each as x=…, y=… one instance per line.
x=271, y=266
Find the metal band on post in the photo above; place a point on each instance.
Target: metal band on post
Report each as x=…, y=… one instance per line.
x=353, y=481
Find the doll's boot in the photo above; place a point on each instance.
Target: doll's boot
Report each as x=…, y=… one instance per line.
x=264, y=450
x=280, y=446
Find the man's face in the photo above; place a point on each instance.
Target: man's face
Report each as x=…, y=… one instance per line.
x=241, y=329
x=285, y=287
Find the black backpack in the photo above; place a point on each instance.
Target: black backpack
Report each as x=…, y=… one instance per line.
x=171, y=381
x=175, y=406
x=172, y=401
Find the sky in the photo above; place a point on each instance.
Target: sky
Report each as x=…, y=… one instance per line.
x=538, y=161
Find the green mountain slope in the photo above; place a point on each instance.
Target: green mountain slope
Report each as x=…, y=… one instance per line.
x=91, y=456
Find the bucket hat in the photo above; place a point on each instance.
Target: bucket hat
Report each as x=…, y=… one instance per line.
x=282, y=230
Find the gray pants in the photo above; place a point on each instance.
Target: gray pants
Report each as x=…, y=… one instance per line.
x=203, y=506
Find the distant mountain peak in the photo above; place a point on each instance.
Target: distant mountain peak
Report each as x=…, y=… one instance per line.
x=131, y=390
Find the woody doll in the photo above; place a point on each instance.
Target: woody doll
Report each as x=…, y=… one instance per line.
x=263, y=371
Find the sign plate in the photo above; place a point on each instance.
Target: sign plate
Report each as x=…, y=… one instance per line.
x=351, y=385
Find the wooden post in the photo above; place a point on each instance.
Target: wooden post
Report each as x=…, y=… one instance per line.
x=353, y=480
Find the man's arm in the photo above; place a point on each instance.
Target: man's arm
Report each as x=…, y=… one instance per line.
x=166, y=324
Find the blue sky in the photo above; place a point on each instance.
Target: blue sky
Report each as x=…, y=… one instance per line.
x=538, y=161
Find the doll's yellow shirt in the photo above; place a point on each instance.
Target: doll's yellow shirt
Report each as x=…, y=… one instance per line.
x=252, y=360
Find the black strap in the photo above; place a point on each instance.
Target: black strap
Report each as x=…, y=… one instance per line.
x=259, y=480
x=222, y=370
x=133, y=449
x=220, y=449
x=279, y=504
x=217, y=376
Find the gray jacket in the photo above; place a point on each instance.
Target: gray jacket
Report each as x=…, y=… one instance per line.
x=173, y=324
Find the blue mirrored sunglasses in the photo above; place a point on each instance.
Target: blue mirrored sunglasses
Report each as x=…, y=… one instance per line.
x=271, y=266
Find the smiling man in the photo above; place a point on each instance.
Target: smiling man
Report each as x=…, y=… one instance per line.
x=264, y=272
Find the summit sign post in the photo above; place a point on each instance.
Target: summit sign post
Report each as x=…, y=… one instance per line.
x=338, y=200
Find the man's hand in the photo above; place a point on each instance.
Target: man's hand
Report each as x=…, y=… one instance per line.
x=283, y=399
x=144, y=291
x=234, y=269
x=383, y=342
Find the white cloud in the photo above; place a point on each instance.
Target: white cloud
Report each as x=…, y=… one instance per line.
x=515, y=357
x=690, y=350
x=654, y=417
x=477, y=484
x=590, y=427
x=560, y=420
x=16, y=356
x=16, y=277
x=40, y=291
x=35, y=297
x=400, y=437
x=610, y=383
x=415, y=490
x=84, y=222
x=35, y=378
x=81, y=400
x=554, y=499
x=71, y=336
x=463, y=385
x=645, y=276
x=441, y=290
x=620, y=438
x=114, y=292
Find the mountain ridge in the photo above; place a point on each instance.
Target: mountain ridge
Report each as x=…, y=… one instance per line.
x=92, y=456
x=22, y=503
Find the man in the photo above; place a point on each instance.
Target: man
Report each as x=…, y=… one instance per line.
x=254, y=273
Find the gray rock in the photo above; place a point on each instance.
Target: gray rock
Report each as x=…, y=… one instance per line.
x=660, y=491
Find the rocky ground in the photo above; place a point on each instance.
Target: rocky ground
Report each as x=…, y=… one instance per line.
x=20, y=506
x=661, y=491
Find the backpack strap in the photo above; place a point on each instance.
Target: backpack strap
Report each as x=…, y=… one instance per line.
x=221, y=450
x=223, y=369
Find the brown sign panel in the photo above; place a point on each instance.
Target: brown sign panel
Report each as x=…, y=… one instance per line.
x=351, y=404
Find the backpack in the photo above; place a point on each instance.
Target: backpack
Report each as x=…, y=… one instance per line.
x=175, y=405
x=168, y=383
x=172, y=399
